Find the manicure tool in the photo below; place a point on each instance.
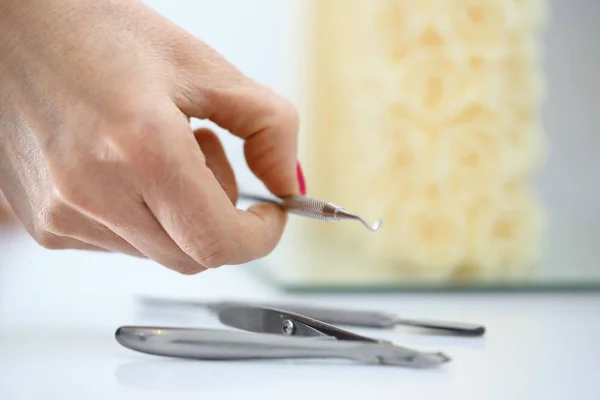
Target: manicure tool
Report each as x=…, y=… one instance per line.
x=315, y=209
x=270, y=333
x=348, y=317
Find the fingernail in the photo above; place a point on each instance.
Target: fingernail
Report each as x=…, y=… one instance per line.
x=300, y=176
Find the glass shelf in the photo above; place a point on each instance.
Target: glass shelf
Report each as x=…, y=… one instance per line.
x=571, y=262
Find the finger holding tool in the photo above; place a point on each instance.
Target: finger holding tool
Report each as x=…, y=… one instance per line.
x=315, y=209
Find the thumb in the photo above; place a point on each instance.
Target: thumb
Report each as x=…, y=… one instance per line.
x=266, y=122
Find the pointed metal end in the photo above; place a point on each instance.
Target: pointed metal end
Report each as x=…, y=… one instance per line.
x=375, y=227
x=342, y=214
x=426, y=360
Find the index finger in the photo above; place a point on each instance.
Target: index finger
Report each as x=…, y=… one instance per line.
x=267, y=123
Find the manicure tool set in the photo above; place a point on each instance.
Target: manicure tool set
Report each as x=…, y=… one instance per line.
x=288, y=331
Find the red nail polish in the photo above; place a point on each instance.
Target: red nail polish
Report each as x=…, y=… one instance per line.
x=300, y=177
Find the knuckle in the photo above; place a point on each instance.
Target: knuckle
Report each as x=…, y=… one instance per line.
x=216, y=254
x=146, y=153
x=288, y=116
x=65, y=191
x=51, y=219
x=184, y=265
x=125, y=139
x=190, y=269
x=47, y=240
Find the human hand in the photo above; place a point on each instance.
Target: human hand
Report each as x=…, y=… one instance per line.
x=96, y=149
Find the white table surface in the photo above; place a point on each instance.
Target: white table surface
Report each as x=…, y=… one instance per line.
x=59, y=311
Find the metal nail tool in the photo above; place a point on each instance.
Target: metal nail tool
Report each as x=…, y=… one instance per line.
x=337, y=316
x=270, y=333
x=315, y=209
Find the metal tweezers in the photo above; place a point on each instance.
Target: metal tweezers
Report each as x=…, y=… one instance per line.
x=265, y=332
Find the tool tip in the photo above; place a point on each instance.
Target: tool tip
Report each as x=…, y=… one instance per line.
x=372, y=227
x=341, y=214
x=375, y=227
x=431, y=360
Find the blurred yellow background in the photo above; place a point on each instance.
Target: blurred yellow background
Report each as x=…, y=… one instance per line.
x=440, y=117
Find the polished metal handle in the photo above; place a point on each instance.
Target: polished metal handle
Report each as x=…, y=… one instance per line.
x=209, y=344
x=376, y=319
x=337, y=316
x=220, y=344
x=314, y=209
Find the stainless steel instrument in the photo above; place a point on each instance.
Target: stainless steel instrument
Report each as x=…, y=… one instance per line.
x=337, y=316
x=271, y=334
x=315, y=209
